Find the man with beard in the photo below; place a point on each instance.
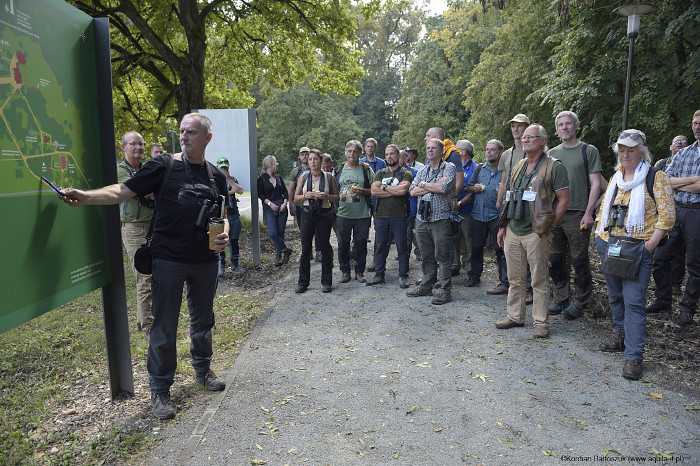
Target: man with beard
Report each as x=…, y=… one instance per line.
x=390, y=187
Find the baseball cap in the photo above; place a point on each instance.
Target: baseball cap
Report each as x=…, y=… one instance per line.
x=409, y=148
x=304, y=149
x=631, y=138
x=222, y=162
x=520, y=118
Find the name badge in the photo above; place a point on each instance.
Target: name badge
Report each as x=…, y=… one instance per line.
x=529, y=196
x=508, y=196
x=614, y=250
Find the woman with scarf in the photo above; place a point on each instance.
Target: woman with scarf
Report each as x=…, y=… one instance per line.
x=632, y=216
x=316, y=191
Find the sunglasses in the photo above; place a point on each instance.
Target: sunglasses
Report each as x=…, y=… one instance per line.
x=632, y=136
x=680, y=141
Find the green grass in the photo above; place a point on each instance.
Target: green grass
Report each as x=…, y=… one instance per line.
x=42, y=360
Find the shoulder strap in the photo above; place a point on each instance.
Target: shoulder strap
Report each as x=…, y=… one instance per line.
x=160, y=194
x=585, y=164
x=127, y=167
x=365, y=171
x=516, y=171
x=651, y=174
x=339, y=169
x=478, y=170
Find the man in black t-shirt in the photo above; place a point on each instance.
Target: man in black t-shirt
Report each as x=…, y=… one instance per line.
x=181, y=253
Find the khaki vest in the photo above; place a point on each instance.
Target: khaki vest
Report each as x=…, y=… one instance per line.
x=542, y=208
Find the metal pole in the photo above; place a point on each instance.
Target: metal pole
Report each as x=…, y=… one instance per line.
x=629, y=82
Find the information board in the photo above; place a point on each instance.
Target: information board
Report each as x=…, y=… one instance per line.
x=51, y=253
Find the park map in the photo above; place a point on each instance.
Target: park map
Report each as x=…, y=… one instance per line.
x=48, y=127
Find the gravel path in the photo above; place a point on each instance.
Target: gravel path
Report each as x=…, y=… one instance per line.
x=366, y=375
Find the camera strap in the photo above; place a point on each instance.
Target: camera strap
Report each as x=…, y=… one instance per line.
x=170, y=158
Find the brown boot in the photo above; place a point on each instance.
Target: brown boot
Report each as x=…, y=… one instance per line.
x=616, y=344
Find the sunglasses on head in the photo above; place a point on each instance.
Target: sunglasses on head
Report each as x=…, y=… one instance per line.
x=633, y=136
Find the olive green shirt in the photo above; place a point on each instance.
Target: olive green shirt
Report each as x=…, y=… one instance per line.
x=131, y=210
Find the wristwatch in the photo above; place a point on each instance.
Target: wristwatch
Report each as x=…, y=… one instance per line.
x=384, y=187
x=422, y=184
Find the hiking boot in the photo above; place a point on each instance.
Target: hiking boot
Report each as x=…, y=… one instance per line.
x=529, y=299
x=236, y=269
x=345, y=278
x=326, y=288
x=441, y=298
x=572, y=312
x=361, y=277
x=473, y=280
x=278, y=259
x=163, y=407
x=632, y=370
x=507, y=323
x=499, y=290
x=210, y=381
x=684, y=318
x=655, y=307
x=418, y=291
x=403, y=282
x=540, y=331
x=556, y=308
x=285, y=255
x=376, y=280
x=300, y=289
x=616, y=344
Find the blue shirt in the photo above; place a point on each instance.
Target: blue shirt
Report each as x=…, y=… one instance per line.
x=376, y=164
x=412, y=201
x=467, y=171
x=484, y=209
x=684, y=164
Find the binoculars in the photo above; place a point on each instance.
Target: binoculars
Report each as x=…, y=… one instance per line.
x=515, y=206
x=424, y=209
x=206, y=212
x=618, y=212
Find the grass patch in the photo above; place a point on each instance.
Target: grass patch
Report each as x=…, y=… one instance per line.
x=54, y=394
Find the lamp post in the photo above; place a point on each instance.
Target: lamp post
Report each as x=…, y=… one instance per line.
x=634, y=13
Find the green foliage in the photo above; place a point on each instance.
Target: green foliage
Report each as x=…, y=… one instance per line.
x=170, y=57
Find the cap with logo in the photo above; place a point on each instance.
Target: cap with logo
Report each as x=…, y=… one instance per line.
x=520, y=118
x=222, y=162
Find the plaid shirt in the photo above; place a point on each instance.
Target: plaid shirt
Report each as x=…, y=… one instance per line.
x=685, y=163
x=440, y=204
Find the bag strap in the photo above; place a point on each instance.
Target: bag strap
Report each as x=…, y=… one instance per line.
x=585, y=164
x=160, y=194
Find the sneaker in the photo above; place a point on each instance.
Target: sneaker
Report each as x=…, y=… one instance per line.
x=326, y=288
x=441, y=298
x=684, y=318
x=376, y=280
x=473, y=280
x=418, y=291
x=507, y=323
x=236, y=270
x=656, y=307
x=163, y=407
x=541, y=331
x=403, y=282
x=529, y=299
x=345, y=278
x=556, y=308
x=572, y=312
x=300, y=289
x=361, y=277
x=499, y=290
x=616, y=344
x=210, y=381
x=632, y=370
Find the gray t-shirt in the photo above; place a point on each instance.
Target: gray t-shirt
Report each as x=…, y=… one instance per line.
x=578, y=176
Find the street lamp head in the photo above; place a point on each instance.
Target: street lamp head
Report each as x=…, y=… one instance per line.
x=634, y=13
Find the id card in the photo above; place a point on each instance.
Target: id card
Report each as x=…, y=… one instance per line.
x=614, y=250
x=529, y=196
x=508, y=195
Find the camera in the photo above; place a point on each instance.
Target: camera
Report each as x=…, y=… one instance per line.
x=515, y=206
x=150, y=203
x=424, y=209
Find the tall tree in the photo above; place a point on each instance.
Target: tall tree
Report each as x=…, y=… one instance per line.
x=179, y=55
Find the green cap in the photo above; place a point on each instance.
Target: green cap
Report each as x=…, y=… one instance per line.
x=222, y=162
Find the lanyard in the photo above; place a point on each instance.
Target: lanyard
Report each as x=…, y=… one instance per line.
x=532, y=173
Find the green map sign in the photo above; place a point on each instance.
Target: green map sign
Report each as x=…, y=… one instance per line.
x=51, y=253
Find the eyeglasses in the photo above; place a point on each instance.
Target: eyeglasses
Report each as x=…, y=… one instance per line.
x=529, y=137
x=136, y=144
x=680, y=141
x=632, y=136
